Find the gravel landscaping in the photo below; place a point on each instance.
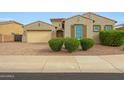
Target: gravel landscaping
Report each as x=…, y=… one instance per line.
x=43, y=49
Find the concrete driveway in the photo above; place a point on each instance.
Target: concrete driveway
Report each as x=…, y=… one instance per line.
x=66, y=64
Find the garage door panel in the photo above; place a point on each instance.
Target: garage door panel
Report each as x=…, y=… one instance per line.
x=38, y=36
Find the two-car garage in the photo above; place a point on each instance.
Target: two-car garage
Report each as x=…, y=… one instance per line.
x=38, y=32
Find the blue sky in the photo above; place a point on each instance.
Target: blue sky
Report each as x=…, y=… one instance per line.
x=28, y=17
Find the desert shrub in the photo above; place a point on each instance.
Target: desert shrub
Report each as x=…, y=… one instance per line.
x=71, y=44
x=112, y=37
x=86, y=43
x=56, y=44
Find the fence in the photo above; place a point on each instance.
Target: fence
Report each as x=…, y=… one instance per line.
x=6, y=38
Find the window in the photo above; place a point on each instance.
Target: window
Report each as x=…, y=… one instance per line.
x=63, y=25
x=96, y=28
x=108, y=27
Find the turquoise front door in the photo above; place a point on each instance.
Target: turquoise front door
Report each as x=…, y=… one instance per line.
x=78, y=31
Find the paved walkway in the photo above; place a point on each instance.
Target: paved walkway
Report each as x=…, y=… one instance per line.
x=90, y=64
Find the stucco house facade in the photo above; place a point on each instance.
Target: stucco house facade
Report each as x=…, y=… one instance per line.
x=10, y=31
x=82, y=26
x=100, y=23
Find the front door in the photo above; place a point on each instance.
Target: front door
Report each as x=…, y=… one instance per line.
x=59, y=33
x=78, y=31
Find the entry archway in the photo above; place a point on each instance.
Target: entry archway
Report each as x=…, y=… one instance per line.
x=59, y=33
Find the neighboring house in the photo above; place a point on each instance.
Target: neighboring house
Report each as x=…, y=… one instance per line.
x=10, y=31
x=82, y=26
x=37, y=32
x=119, y=27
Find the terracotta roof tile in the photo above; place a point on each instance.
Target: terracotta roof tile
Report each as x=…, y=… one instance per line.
x=57, y=19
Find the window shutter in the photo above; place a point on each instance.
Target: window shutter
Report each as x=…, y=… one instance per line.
x=84, y=31
x=72, y=31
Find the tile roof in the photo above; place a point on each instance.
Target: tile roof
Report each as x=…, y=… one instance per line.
x=57, y=19
x=8, y=22
x=119, y=25
x=100, y=16
x=39, y=22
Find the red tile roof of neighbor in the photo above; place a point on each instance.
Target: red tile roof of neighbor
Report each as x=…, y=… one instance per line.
x=57, y=19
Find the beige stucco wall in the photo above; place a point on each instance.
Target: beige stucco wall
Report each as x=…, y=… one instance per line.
x=7, y=38
x=58, y=24
x=78, y=20
x=99, y=21
x=9, y=29
x=38, y=36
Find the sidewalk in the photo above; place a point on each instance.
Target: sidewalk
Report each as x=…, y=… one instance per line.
x=66, y=64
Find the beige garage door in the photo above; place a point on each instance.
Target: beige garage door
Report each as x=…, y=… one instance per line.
x=38, y=36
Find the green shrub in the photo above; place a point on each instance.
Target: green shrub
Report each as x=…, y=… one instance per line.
x=56, y=44
x=71, y=44
x=86, y=43
x=112, y=37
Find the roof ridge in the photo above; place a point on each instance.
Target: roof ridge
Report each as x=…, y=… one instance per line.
x=119, y=24
x=99, y=16
x=57, y=18
x=80, y=16
x=39, y=21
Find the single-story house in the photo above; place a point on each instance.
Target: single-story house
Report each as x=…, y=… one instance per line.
x=86, y=25
x=119, y=27
x=37, y=32
x=78, y=26
x=82, y=26
x=10, y=31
